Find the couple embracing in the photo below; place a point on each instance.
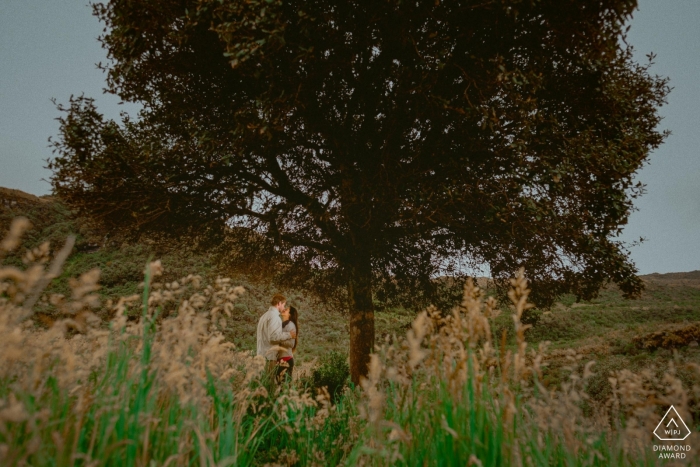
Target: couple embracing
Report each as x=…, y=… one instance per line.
x=277, y=338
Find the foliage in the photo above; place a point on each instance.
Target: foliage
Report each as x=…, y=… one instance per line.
x=51, y=221
x=333, y=373
x=379, y=144
x=672, y=336
x=531, y=317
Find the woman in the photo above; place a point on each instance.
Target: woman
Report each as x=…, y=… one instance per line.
x=285, y=357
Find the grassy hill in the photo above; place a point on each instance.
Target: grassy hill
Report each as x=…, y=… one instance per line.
x=452, y=402
x=609, y=329
x=122, y=264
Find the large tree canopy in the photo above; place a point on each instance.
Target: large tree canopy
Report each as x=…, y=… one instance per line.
x=391, y=141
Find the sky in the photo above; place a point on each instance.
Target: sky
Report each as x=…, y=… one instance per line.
x=49, y=49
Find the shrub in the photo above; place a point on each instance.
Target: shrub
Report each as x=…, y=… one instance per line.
x=672, y=336
x=332, y=373
x=531, y=317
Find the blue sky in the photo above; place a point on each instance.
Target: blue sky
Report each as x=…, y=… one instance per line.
x=48, y=49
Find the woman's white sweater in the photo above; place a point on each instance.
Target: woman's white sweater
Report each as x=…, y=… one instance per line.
x=287, y=344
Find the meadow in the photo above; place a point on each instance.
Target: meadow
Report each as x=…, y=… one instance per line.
x=111, y=358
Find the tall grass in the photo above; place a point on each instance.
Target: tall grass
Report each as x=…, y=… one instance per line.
x=447, y=396
x=167, y=389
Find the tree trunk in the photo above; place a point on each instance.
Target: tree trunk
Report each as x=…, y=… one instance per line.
x=361, y=318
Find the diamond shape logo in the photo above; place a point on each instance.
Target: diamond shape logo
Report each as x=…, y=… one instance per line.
x=672, y=427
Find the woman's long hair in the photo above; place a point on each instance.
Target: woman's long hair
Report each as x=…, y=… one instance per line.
x=294, y=317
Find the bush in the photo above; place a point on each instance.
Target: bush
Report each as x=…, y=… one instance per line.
x=671, y=337
x=333, y=373
x=531, y=317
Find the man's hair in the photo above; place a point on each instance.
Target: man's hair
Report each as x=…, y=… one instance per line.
x=277, y=298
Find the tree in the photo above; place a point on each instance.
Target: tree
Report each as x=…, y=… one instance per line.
x=391, y=142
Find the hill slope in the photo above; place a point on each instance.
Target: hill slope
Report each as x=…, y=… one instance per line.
x=122, y=264
x=611, y=330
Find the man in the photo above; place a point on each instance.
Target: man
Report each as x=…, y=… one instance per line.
x=270, y=333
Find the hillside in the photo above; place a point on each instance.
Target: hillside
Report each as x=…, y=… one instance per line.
x=122, y=263
x=451, y=382
x=611, y=330
x=688, y=279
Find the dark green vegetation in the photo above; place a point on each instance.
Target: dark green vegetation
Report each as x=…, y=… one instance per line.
x=377, y=144
x=332, y=373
